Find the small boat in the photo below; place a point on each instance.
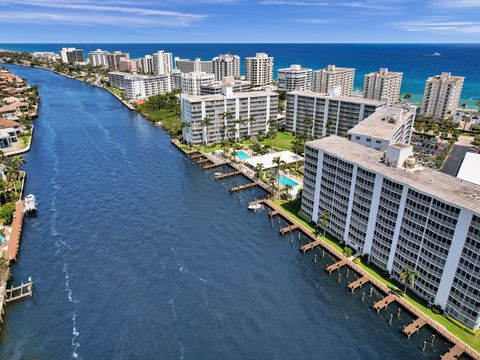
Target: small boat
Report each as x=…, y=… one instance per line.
x=29, y=204
x=434, y=54
x=255, y=206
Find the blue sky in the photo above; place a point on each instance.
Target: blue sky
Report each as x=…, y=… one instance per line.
x=173, y=21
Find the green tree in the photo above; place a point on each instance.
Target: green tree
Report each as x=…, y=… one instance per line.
x=407, y=96
x=258, y=169
x=407, y=277
x=206, y=122
x=308, y=122
x=325, y=221
x=279, y=165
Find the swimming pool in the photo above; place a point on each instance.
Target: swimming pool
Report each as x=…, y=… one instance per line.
x=242, y=155
x=284, y=180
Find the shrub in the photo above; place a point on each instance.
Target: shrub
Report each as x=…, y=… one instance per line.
x=347, y=251
x=6, y=212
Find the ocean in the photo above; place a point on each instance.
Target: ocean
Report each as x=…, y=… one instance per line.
x=414, y=60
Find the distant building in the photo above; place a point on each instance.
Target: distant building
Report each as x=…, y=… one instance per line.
x=98, y=58
x=71, y=55
x=259, y=69
x=294, y=78
x=145, y=64
x=333, y=76
x=399, y=215
x=441, y=96
x=215, y=87
x=385, y=127
x=127, y=65
x=330, y=114
x=190, y=83
x=249, y=114
x=113, y=59
x=383, y=84
x=162, y=63
x=226, y=65
x=138, y=87
x=187, y=65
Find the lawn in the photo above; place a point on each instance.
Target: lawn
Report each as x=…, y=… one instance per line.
x=282, y=141
x=292, y=208
x=116, y=91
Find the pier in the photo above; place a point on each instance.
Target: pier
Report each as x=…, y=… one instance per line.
x=288, y=229
x=243, y=187
x=226, y=175
x=358, y=283
x=336, y=266
x=311, y=245
x=14, y=240
x=454, y=353
x=414, y=327
x=19, y=292
x=382, y=304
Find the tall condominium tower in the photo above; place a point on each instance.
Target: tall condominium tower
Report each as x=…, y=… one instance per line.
x=383, y=84
x=187, y=65
x=259, y=69
x=71, y=55
x=441, y=96
x=226, y=65
x=333, y=76
x=294, y=78
x=162, y=62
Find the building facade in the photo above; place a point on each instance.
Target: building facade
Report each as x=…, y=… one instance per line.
x=226, y=65
x=190, y=83
x=333, y=76
x=383, y=84
x=414, y=217
x=187, y=65
x=385, y=127
x=320, y=115
x=137, y=87
x=441, y=96
x=162, y=63
x=71, y=55
x=98, y=58
x=259, y=69
x=215, y=87
x=294, y=78
x=231, y=115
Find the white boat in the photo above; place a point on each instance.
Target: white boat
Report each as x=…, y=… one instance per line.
x=217, y=174
x=29, y=203
x=434, y=54
x=255, y=206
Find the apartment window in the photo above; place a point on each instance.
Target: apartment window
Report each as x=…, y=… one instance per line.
x=357, y=137
x=369, y=140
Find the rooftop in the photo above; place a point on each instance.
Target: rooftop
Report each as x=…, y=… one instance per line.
x=469, y=169
x=295, y=67
x=234, y=95
x=352, y=99
x=442, y=186
x=335, y=69
x=267, y=159
x=383, y=122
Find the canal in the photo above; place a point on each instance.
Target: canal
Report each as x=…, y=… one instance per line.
x=136, y=253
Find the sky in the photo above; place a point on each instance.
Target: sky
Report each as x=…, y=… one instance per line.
x=239, y=21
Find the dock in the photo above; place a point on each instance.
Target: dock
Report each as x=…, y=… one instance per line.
x=243, y=187
x=19, y=292
x=311, y=245
x=336, y=266
x=358, y=283
x=414, y=327
x=226, y=175
x=14, y=239
x=288, y=229
x=454, y=353
x=213, y=166
x=382, y=304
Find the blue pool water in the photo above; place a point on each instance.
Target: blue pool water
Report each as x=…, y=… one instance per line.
x=285, y=180
x=126, y=269
x=242, y=155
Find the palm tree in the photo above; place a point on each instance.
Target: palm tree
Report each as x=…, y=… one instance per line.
x=287, y=188
x=206, y=122
x=18, y=161
x=407, y=96
x=258, y=169
x=407, y=277
x=325, y=220
x=308, y=122
x=272, y=127
x=185, y=125
x=227, y=115
x=250, y=120
x=279, y=164
x=238, y=122
x=12, y=177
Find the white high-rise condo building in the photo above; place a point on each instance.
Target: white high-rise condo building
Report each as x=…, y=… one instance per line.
x=190, y=83
x=226, y=65
x=386, y=126
x=320, y=115
x=138, y=87
x=162, y=62
x=98, y=58
x=399, y=215
x=441, y=96
x=333, y=76
x=187, y=65
x=383, y=84
x=113, y=59
x=145, y=64
x=294, y=78
x=230, y=115
x=71, y=55
x=259, y=69
x=215, y=87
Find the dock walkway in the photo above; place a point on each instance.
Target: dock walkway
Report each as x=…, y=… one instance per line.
x=19, y=292
x=288, y=229
x=454, y=353
x=14, y=239
x=382, y=304
x=358, y=283
x=243, y=187
x=311, y=245
x=336, y=266
x=226, y=175
x=414, y=327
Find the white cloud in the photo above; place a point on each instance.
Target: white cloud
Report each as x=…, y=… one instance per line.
x=459, y=3
x=295, y=3
x=311, y=21
x=440, y=26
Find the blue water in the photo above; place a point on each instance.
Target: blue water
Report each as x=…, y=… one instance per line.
x=285, y=180
x=412, y=59
x=136, y=253
x=242, y=155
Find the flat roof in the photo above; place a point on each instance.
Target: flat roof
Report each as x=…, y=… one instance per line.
x=352, y=99
x=193, y=98
x=469, y=170
x=267, y=159
x=377, y=125
x=442, y=186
